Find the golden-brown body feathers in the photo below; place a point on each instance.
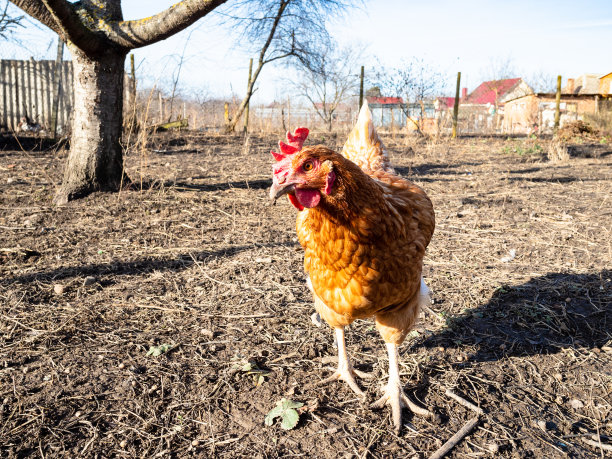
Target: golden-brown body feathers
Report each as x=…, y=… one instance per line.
x=364, y=245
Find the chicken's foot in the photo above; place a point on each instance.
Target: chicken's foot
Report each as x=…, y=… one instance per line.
x=345, y=370
x=394, y=393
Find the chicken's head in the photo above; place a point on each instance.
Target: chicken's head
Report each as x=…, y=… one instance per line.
x=302, y=174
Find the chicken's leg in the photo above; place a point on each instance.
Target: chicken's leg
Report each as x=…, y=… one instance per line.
x=345, y=370
x=394, y=394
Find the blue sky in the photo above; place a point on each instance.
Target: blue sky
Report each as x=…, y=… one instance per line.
x=553, y=37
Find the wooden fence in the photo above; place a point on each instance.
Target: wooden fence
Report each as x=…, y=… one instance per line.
x=31, y=90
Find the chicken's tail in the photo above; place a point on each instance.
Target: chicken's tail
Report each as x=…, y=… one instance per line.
x=363, y=145
x=424, y=295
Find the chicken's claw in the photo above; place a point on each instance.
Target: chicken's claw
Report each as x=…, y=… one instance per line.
x=345, y=370
x=363, y=374
x=348, y=376
x=397, y=399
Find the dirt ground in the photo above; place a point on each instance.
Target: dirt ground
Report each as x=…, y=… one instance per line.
x=199, y=265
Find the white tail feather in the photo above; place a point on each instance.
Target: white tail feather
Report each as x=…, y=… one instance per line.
x=363, y=145
x=424, y=294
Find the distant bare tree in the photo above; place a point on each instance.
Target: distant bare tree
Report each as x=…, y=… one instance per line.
x=415, y=80
x=499, y=69
x=290, y=30
x=542, y=82
x=330, y=82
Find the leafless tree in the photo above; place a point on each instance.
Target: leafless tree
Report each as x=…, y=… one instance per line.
x=415, y=80
x=498, y=70
x=332, y=81
x=293, y=31
x=542, y=82
x=99, y=40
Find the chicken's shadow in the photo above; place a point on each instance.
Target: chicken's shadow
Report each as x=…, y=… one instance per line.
x=541, y=316
x=436, y=169
x=107, y=273
x=182, y=186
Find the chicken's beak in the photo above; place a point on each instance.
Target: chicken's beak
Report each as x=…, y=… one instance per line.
x=279, y=189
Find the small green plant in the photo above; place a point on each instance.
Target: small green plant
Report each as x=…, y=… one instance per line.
x=522, y=150
x=251, y=368
x=285, y=409
x=156, y=351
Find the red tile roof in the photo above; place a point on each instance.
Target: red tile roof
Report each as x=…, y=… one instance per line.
x=486, y=92
x=384, y=100
x=448, y=102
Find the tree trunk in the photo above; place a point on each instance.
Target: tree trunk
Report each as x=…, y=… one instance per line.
x=95, y=161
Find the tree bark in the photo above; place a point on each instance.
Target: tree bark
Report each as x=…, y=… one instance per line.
x=95, y=161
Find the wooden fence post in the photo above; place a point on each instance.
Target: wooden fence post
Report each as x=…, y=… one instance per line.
x=161, y=107
x=361, y=88
x=246, y=110
x=456, y=106
x=558, y=104
x=133, y=82
x=57, y=85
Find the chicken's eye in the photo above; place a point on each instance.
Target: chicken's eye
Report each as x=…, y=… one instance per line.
x=308, y=166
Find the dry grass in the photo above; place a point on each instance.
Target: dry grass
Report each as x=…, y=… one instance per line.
x=519, y=266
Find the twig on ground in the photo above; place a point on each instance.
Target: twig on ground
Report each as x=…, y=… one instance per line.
x=464, y=402
x=597, y=444
x=432, y=313
x=452, y=442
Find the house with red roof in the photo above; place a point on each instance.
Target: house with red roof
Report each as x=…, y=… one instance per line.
x=496, y=92
x=384, y=100
x=483, y=109
x=448, y=103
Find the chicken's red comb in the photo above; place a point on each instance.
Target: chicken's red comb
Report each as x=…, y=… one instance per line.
x=294, y=144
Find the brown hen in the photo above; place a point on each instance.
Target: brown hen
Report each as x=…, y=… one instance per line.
x=364, y=231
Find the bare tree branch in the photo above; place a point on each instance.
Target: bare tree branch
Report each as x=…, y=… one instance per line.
x=416, y=81
x=70, y=27
x=94, y=28
x=143, y=32
x=329, y=84
x=541, y=81
x=8, y=23
x=281, y=30
x=38, y=11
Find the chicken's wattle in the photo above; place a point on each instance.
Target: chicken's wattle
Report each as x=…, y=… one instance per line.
x=308, y=198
